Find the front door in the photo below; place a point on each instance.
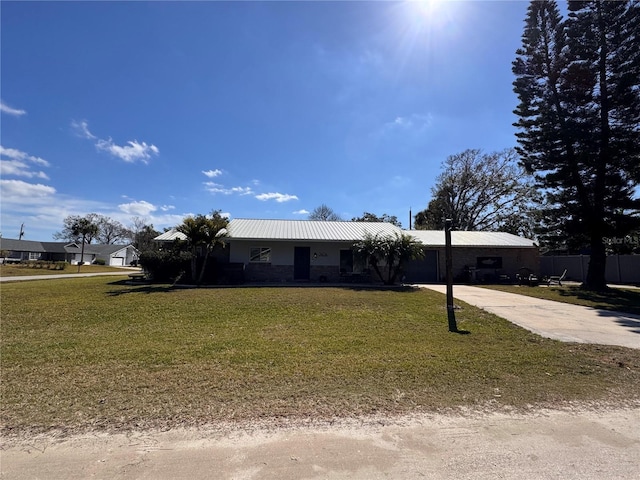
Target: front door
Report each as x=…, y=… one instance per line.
x=301, y=263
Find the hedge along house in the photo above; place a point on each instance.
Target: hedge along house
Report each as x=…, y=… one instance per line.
x=477, y=256
x=299, y=250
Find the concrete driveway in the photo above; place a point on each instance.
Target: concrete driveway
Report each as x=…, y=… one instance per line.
x=55, y=276
x=560, y=321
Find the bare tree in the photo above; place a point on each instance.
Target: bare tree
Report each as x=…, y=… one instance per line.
x=325, y=214
x=480, y=191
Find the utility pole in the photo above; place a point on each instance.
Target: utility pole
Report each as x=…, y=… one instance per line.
x=21, y=232
x=451, y=315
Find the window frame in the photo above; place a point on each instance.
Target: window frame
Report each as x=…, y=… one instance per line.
x=259, y=254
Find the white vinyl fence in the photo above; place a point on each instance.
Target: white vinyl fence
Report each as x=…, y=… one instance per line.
x=620, y=268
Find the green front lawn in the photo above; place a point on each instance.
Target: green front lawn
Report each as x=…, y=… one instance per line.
x=91, y=353
x=617, y=299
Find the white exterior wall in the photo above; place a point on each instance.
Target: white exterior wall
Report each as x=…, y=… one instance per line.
x=322, y=254
x=122, y=257
x=88, y=258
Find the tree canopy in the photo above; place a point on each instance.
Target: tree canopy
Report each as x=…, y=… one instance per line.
x=578, y=85
x=325, y=214
x=108, y=231
x=481, y=191
x=372, y=217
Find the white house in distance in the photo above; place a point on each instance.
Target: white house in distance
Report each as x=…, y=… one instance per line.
x=307, y=250
x=30, y=250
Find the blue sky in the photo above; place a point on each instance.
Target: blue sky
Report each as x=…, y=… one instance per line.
x=259, y=109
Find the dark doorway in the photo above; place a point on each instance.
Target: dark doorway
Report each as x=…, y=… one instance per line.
x=423, y=271
x=301, y=263
x=346, y=261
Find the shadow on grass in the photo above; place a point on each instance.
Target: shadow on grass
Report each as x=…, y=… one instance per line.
x=462, y=332
x=165, y=288
x=138, y=288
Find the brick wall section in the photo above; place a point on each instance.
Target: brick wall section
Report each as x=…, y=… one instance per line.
x=512, y=260
x=266, y=272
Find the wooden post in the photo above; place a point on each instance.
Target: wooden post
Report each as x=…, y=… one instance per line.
x=451, y=315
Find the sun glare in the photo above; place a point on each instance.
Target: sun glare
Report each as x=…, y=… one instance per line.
x=428, y=7
x=434, y=13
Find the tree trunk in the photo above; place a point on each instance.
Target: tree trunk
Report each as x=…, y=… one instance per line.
x=597, y=264
x=194, y=264
x=204, y=267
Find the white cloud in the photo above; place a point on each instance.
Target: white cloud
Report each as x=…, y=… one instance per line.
x=130, y=153
x=212, y=173
x=278, y=197
x=166, y=208
x=415, y=121
x=141, y=208
x=16, y=112
x=17, y=163
x=14, y=154
x=214, y=188
x=19, y=169
x=82, y=129
x=301, y=212
x=17, y=191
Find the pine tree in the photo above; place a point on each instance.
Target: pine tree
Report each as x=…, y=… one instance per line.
x=578, y=82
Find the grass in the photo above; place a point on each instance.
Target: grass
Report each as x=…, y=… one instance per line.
x=617, y=299
x=90, y=353
x=16, y=270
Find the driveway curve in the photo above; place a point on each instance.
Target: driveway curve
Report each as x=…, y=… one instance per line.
x=560, y=321
x=24, y=278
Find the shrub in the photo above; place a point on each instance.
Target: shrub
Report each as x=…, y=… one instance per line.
x=100, y=261
x=165, y=265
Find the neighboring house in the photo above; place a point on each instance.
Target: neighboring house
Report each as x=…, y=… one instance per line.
x=115, y=255
x=29, y=250
x=306, y=250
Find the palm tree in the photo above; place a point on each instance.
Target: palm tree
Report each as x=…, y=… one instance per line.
x=394, y=251
x=87, y=229
x=203, y=233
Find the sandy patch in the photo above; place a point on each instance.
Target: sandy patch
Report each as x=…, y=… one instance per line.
x=585, y=442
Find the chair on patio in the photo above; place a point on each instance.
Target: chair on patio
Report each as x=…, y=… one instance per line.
x=525, y=276
x=557, y=278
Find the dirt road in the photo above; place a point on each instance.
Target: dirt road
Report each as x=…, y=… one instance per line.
x=569, y=444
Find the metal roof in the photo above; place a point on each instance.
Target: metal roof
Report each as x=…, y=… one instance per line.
x=170, y=236
x=460, y=238
x=314, y=230
x=310, y=230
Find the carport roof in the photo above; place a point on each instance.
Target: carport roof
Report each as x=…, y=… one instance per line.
x=435, y=238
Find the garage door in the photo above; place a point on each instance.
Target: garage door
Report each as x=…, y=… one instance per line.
x=117, y=261
x=423, y=271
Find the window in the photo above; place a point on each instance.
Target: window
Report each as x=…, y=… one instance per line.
x=34, y=256
x=260, y=254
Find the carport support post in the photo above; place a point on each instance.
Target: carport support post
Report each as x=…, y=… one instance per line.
x=451, y=315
